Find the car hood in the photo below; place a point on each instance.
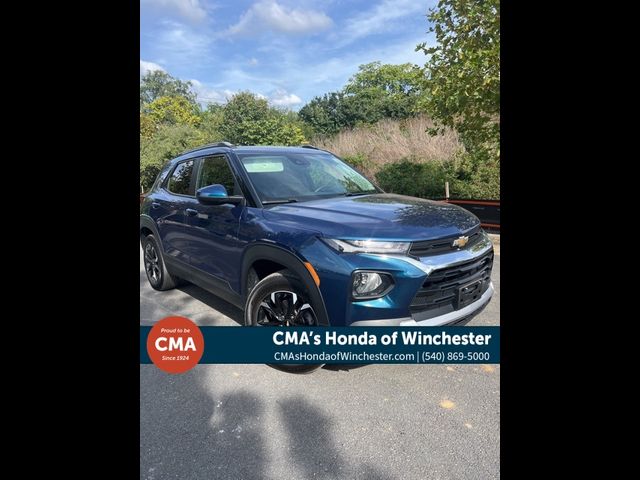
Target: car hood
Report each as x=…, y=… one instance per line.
x=379, y=216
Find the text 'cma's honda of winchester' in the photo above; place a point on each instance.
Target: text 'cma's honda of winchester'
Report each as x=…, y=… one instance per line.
x=296, y=237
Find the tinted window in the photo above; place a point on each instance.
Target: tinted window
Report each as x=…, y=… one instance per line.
x=215, y=170
x=181, y=178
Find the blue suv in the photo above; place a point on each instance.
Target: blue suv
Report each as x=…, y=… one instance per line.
x=295, y=236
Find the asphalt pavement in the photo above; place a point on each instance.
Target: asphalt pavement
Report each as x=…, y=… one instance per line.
x=370, y=422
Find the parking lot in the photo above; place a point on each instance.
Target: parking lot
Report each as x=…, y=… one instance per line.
x=367, y=422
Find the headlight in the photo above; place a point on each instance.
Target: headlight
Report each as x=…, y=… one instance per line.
x=369, y=285
x=368, y=246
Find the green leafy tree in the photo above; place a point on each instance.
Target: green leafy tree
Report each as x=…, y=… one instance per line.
x=158, y=84
x=462, y=74
x=249, y=120
x=245, y=106
x=211, y=122
x=173, y=111
x=324, y=114
x=148, y=126
x=167, y=143
x=390, y=91
x=375, y=92
x=267, y=131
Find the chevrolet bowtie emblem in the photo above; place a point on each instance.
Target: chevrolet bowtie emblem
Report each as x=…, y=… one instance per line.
x=460, y=242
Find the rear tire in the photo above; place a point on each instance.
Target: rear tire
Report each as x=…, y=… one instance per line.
x=281, y=300
x=157, y=273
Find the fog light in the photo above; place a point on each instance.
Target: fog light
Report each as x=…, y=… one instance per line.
x=367, y=285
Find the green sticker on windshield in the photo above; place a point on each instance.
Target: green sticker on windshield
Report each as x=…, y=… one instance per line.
x=263, y=165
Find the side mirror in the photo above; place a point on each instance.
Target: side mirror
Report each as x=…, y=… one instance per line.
x=217, y=195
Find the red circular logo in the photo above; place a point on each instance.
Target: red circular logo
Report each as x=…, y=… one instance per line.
x=175, y=344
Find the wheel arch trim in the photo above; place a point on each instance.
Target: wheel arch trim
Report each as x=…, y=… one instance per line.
x=147, y=222
x=293, y=263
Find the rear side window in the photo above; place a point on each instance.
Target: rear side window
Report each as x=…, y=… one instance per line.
x=181, y=178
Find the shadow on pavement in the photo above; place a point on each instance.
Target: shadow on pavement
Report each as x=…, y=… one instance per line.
x=312, y=446
x=214, y=302
x=189, y=434
x=188, y=431
x=344, y=367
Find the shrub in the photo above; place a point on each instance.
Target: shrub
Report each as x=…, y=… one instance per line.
x=358, y=161
x=408, y=177
x=467, y=178
x=472, y=177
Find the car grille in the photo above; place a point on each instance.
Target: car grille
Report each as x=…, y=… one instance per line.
x=434, y=247
x=440, y=291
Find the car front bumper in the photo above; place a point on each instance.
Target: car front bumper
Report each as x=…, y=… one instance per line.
x=456, y=317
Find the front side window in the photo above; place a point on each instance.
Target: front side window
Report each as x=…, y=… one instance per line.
x=215, y=170
x=181, y=178
x=301, y=176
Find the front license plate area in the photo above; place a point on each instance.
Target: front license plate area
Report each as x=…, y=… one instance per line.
x=469, y=293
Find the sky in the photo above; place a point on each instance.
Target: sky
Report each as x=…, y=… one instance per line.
x=287, y=51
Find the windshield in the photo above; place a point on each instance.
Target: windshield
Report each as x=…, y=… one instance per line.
x=297, y=177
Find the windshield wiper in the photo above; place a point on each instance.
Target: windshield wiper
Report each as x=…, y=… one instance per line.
x=355, y=194
x=275, y=202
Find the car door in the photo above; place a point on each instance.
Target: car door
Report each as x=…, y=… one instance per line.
x=170, y=204
x=212, y=230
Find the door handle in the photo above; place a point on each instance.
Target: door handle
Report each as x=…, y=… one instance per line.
x=155, y=205
x=191, y=212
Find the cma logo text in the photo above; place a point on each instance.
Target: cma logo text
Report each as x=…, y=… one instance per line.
x=163, y=344
x=296, y=338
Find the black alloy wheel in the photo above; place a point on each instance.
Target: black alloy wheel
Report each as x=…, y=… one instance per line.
x=152, y=264
x=157, y=274
x=280, y=300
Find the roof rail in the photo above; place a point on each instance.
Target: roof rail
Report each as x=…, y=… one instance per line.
x=209, y=145
x=309, y=146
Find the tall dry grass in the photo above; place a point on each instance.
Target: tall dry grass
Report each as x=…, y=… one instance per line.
x=391, y=140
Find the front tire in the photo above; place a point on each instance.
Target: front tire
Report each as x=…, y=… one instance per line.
x=281, y=300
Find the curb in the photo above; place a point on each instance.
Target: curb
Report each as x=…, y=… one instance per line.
x=495, y=239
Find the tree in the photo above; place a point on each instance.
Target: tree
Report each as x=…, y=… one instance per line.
x=391, y=91
x=245, y=106
x=324, y=113
x=173, y=111
x=462, y=74
x=248, y=120
x=211, y=122
x=148, y=126
x=272, y=130
x=158, y=84
x=375, y=92
x=167, y=143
